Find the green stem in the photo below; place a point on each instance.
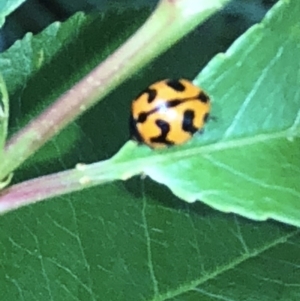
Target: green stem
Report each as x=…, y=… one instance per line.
x=83, y=176
x=169, y=22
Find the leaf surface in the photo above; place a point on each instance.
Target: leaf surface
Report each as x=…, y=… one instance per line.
x=4, y=109
x=130, y=240
x=250, y=161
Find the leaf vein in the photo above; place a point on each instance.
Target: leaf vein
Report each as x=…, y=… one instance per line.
x=149, y=253
x=254, y=90
x=250, y=179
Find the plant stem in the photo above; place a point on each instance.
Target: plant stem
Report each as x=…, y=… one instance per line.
x=83, y=176
x=169, y=22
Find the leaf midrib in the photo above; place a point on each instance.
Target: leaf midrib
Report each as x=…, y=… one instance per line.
x=112, y=169
x=225, y=145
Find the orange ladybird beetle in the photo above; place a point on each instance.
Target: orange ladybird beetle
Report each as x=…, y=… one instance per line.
x=168, y=113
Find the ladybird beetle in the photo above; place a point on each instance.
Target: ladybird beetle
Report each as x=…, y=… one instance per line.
x=168, y=113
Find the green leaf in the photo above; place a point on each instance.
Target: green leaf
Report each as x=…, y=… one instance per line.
x=7, y=7
x=4, y=111
x=127, y=60
x=61, y=44
x=4, y=114
x=250, y=161
x=129, y=240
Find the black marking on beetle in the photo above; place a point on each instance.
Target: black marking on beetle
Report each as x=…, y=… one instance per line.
x=134, y=133
x=203, y=97
x=173, y=103
x=188, y=122
x=143, y=117
x=175, y=84
x=165, y=129
x=152, y=93
x=168, y=104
